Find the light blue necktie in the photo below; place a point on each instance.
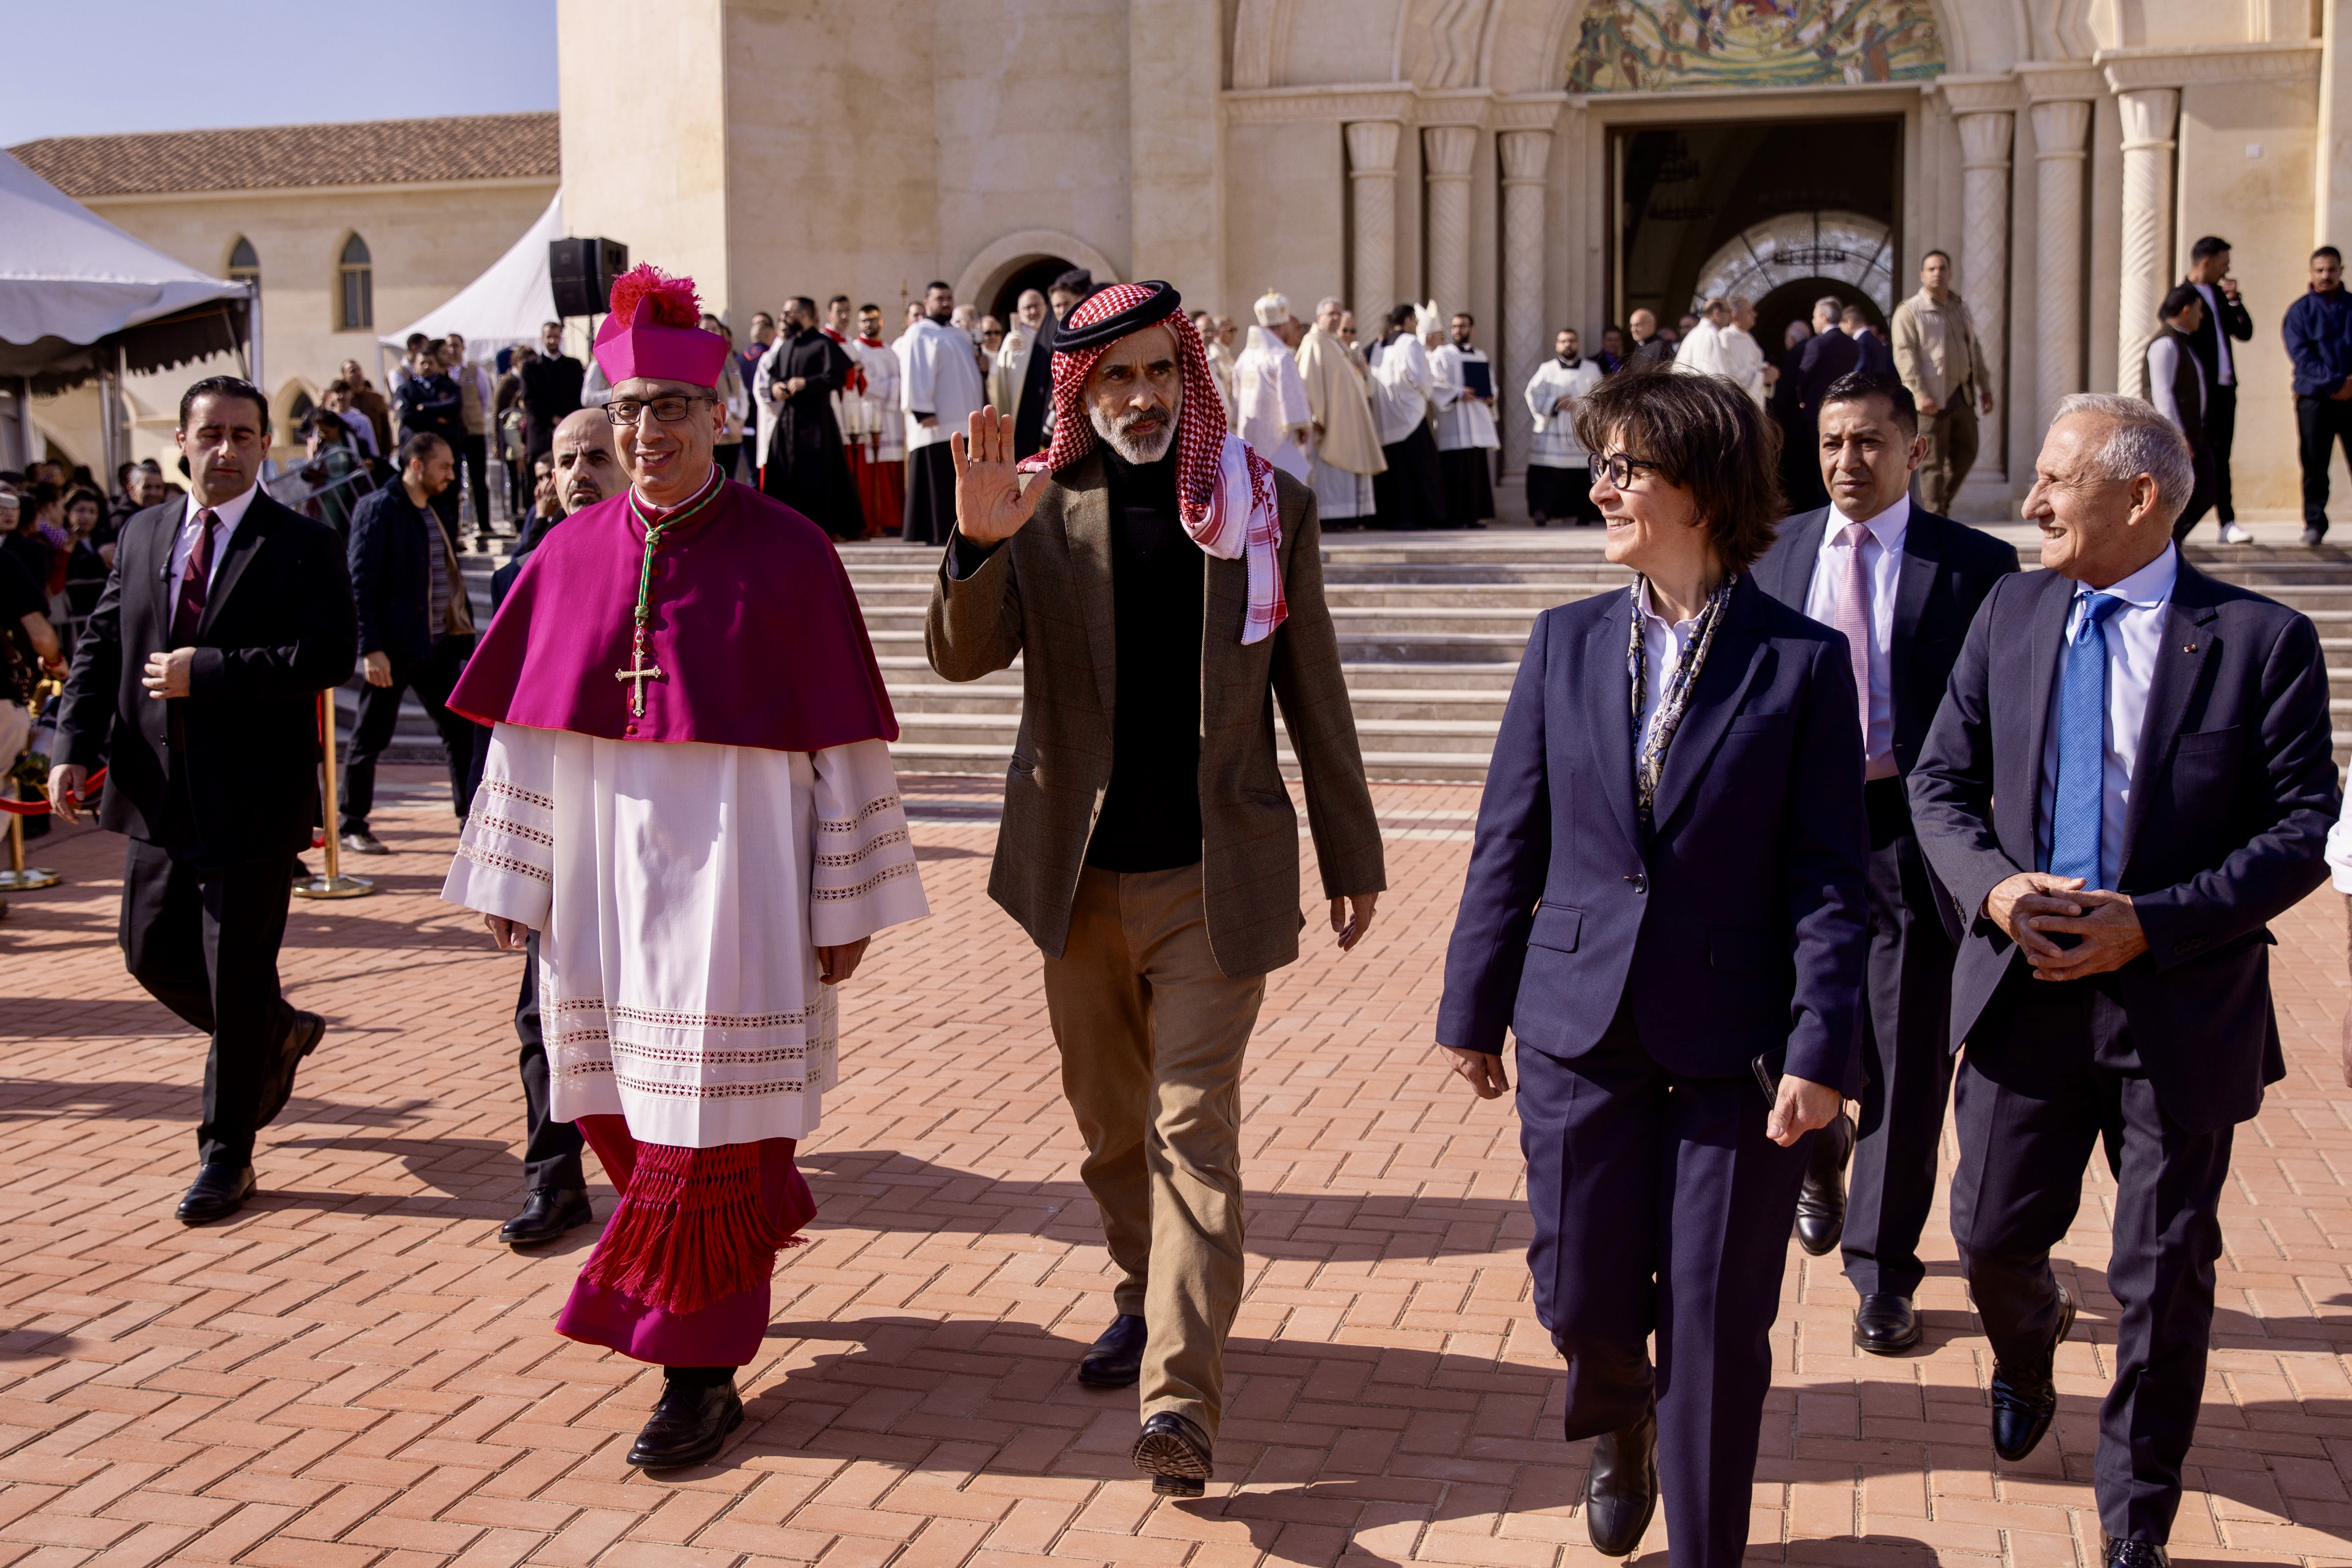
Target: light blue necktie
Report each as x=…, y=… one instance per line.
x=2080, y=807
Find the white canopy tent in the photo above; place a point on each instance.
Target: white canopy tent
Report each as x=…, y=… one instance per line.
x=506, y=305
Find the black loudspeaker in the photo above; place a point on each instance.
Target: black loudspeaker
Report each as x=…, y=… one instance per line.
x=582, y=273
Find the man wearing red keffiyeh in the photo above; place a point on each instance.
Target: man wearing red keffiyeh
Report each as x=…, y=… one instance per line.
x=1150, y=846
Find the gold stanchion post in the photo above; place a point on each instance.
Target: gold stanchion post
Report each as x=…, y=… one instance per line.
x=335, y=884
x=18, y=878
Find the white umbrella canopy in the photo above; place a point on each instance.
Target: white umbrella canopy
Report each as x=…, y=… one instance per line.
x=69, y=278
x=507, y=304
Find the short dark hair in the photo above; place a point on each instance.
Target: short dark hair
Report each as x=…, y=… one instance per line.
x=2183, y=295
x=862, y=309
x=2211, y=245
x=1462, y=316
x=804, y=300
x=836, y=299
x=225, y=386
x=935, y=283
x=327, y=423
x=1853, y=314
x=1078, y=281
x=2329, y=251
x=1858, y=385
x=340, y=386
x=1945, y=254
x=419, y=449
x=1705, y=435
x=1402, y=315
x=414, y=340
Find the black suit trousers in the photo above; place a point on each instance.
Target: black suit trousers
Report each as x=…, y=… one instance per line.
x=2321, y=423
x=550, y=1150
x=1660, y=1207
x=2221, y=435
x=202, y=935
x=2047, y=1068
x=1907, y=1027
x=474, y=451
x=433, y=676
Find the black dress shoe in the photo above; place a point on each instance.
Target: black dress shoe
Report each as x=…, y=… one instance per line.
x=2314, y=536
x=300, y=1041
x=1175, y=1453
x=364, y=844
x=1116, y=1360
x=2133, y=1555
x=1821, y=1202
x=688, y=1427
x=1620, y=1490
x=547, y=1214
x=1885, y=1325
x=2024, y=1398
x=219, y=1190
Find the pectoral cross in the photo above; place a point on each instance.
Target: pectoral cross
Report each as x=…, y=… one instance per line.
x=639, y=674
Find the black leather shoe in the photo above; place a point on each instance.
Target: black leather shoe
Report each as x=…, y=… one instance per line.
x=547, y=1214
x=689, y=1426
x=1116, y=1360
x=2315, y=536
x=1821, y=1202
x=219, y=1190
x=2024, y=1399
x=1885, y=1325
x=2133, y=1554
x=300, y=1041
x=1175, y=1453
x=1620, y=1490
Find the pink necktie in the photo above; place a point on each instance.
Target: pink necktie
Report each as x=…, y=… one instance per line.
x=1850, y=615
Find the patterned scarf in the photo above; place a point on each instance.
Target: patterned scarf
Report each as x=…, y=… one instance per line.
x=1224, y=491
x=1650, y=752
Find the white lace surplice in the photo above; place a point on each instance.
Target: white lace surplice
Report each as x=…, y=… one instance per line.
x=680, y=893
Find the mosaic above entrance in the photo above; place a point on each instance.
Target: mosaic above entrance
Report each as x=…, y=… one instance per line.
x=1629, y=45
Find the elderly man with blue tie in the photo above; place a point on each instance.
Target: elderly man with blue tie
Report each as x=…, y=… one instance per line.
x=2131, y=774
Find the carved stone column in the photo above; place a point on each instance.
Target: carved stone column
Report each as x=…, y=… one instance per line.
x=1984, y=248
x=1526, y=157
x=2059, y=155
x=1447, y=152
x=1372, y=170
x=2148, y=116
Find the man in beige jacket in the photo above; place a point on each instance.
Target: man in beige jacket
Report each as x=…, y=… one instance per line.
x=1161, y=586
x=1939, y=357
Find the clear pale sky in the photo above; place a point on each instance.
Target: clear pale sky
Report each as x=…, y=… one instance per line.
x=78, y=67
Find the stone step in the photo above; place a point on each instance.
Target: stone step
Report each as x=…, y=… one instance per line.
x=1407, y=767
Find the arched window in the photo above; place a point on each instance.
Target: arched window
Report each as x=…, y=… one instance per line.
x=243, y=262
x=358, y=286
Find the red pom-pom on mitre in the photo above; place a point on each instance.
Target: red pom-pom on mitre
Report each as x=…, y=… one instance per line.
x=674, y=301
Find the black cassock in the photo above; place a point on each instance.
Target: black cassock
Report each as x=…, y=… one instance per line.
x=806, y=469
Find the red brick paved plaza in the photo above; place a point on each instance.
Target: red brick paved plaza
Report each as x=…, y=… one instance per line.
x=355, y=1372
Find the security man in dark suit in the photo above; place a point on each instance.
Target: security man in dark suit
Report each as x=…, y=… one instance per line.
x=196, y=683
x=2226, y=321
x=1822, y=360
x=1920, y=578
x=2130, y=776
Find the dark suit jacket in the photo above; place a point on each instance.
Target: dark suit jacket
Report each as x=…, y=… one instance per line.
x=534, y=529
x=1825, y=357
x=392, y=573
x=278, y=629
x=1036, y=393
x=1738, y=924
x=2230, y=317
x=2232, y=794
x=1046, y=597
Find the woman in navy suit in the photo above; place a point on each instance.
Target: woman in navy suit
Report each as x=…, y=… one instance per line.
x=1665, y=904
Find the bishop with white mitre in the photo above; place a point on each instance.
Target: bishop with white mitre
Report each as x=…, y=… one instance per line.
x=689, y=797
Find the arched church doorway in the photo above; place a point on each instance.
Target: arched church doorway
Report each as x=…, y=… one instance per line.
x=1033, y=272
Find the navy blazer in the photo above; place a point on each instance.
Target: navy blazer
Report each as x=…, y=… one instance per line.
x=1737, y=924
x=392, y=573
x=2232, y=794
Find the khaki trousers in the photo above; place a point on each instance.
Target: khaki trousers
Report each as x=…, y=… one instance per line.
x=1151, y=1036
x=1951, y=451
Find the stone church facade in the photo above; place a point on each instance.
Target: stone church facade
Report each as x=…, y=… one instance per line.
x=1539, y=162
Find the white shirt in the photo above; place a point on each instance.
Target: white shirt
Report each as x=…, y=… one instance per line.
x=2163, y=363
x=1882, y=558
x=942, y=380
x=1551, y=395
x=2339, y=849
x=230, y=515
x=1662, y=647
x=2227, y=375
x=2135, y=637
x=1462, y=423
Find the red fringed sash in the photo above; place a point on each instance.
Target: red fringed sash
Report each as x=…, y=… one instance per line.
x=690, y=1228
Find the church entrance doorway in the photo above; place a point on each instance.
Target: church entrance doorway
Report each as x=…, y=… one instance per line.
x=1034, y=272
x=1784, y=212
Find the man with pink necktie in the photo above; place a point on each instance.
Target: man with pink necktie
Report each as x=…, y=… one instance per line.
x=1903, y=585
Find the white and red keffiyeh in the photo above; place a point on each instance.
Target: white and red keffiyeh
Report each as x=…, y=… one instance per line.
x=1224, y=491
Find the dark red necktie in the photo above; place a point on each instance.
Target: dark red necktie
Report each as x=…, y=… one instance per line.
x=194, y=583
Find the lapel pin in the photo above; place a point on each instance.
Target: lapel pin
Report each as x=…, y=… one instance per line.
x=2188, y=648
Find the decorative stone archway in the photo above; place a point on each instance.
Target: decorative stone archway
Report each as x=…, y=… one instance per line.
x=985, y=274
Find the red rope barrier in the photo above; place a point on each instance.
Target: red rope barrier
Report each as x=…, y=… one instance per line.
x=41, y=807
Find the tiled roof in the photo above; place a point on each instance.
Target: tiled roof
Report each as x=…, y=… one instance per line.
x=376, y=152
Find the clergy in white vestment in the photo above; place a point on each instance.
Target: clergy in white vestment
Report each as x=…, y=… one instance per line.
x=1719, y=346
x=881, y=469
x=1560, y=471
x=688, y=797
x=942, y=390
x=1464, y=400
x=1269, y=399
x=1409, y=492
x=1346, y=450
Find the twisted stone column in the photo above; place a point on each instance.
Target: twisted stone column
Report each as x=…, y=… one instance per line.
x=1372, y=170
x=1525, y=156
x=1984, y=245
x=1447, y=152
x=2059, y=129
x=2148, y=116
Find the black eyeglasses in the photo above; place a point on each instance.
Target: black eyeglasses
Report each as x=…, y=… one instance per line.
x=668, y=410
x=1619, y=467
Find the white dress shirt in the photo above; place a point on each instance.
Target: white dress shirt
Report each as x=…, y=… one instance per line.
x=2339, y=849
x=2135, y=638
x=1662, y=647
x=2226, y=374
x=1882, y=558
x=230, y=514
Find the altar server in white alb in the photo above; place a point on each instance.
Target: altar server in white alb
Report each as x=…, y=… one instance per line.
x=688, y=797
x=1269, y=398
x=1560, y=471
x=941, y=391
x=1467, y=439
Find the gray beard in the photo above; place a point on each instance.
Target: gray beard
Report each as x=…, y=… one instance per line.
x=1129, y=448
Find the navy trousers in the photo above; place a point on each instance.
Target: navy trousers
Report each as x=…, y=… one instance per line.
x=550, y=1150
x=1660, y=1207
